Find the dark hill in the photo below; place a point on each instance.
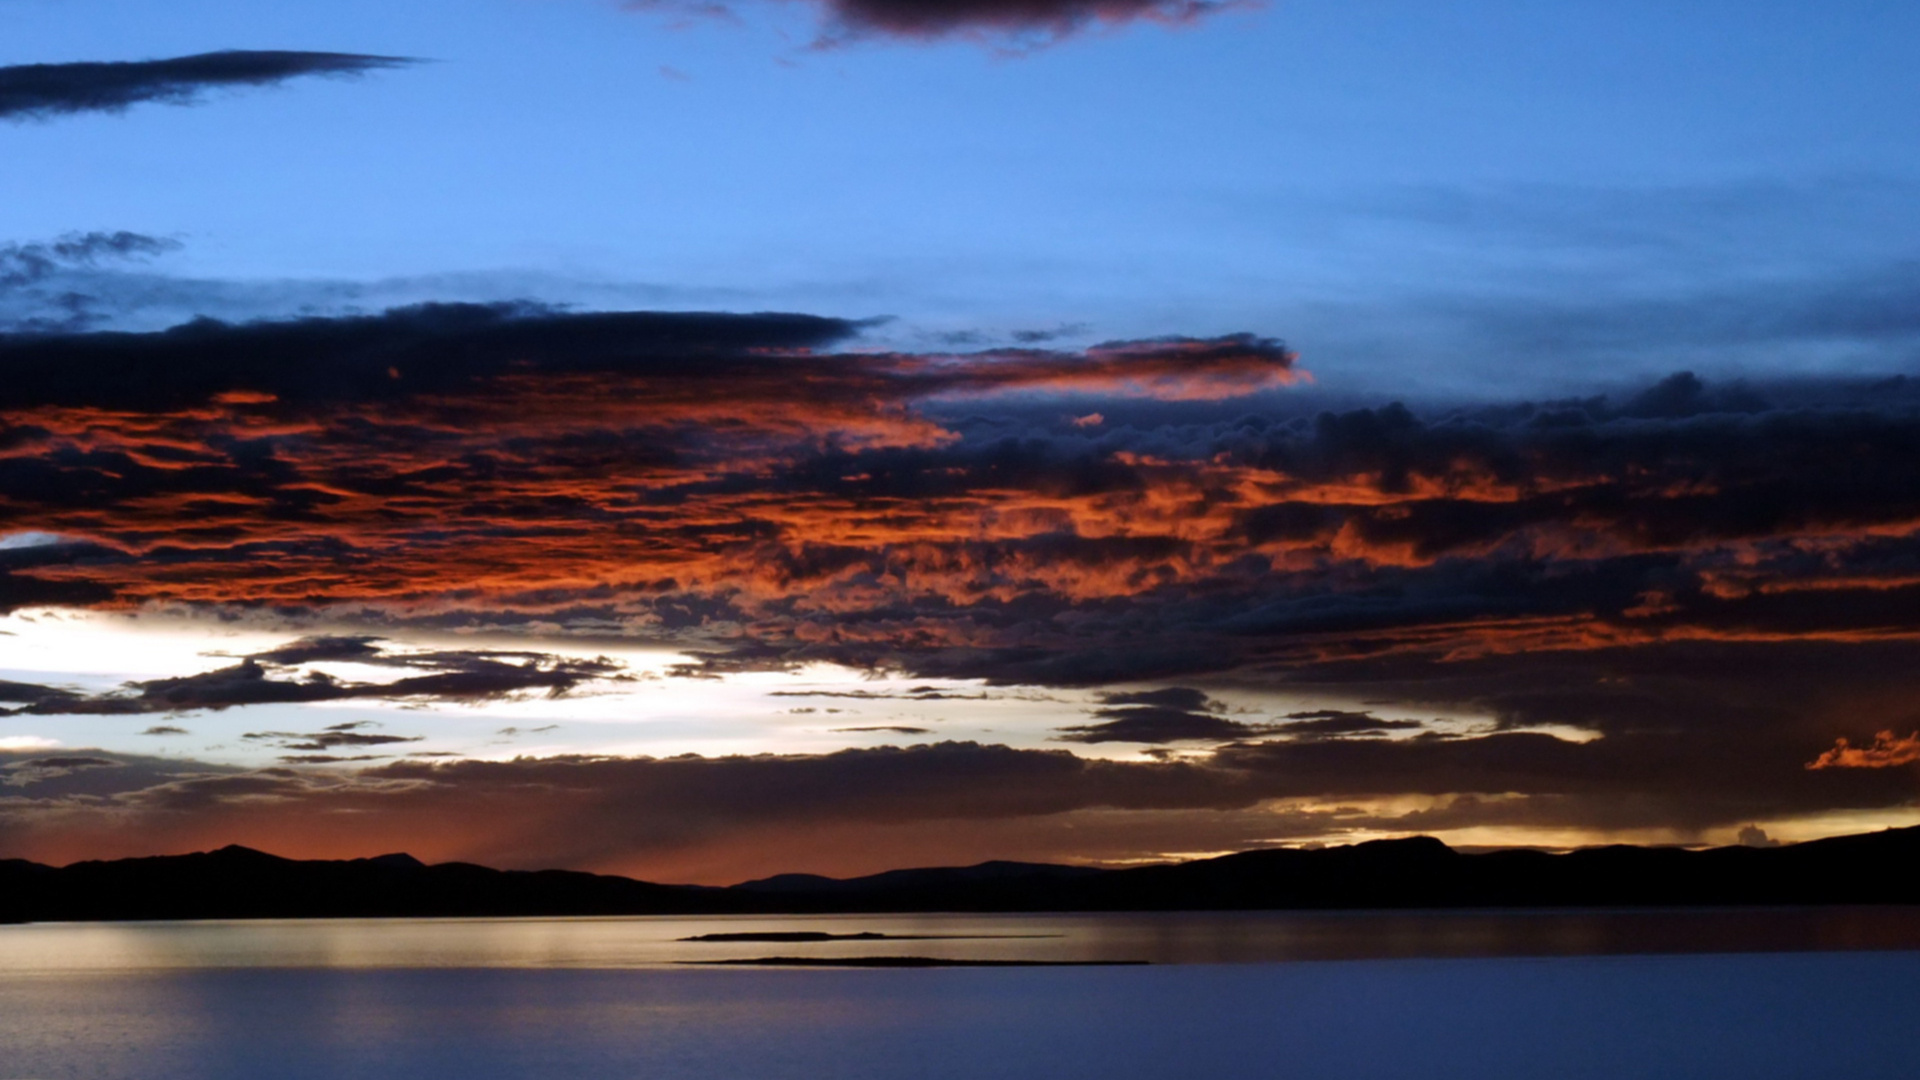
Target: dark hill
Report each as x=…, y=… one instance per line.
x=1421, y=872
x=240, y=883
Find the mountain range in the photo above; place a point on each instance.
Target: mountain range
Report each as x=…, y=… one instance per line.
x=1417, y=872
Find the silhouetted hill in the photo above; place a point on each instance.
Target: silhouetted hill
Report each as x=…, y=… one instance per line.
x=240, y=883
x=1420, y=872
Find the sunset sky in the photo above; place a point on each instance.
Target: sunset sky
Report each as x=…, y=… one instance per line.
x=703, y=440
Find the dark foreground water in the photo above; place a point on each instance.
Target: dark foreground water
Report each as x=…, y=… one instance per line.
x=602, y=998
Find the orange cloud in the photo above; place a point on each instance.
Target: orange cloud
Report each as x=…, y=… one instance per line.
x=766, y=492
x=1885, y=752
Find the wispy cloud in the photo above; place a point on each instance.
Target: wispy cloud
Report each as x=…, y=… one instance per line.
x=44, y=91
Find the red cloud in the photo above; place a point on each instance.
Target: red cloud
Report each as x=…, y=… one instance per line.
x=723, y=480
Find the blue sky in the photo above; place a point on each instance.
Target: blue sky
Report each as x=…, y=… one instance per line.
x=1401, y=190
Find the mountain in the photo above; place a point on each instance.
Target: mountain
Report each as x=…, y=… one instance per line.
x=1420, y=872
x=240, y=883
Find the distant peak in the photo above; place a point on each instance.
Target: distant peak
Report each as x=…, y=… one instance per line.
x=1425, y=844
x=240, y=851
x=399, y=859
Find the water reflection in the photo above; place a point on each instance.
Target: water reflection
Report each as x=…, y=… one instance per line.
x=1160, y=938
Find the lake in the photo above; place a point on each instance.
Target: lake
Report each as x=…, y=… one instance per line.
x=1227, y=995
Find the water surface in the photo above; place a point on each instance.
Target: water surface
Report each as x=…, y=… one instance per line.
x=1158, y=938
x=1571, y=996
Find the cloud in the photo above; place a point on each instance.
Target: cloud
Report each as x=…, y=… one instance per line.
x=1013, y=25
x=329, y=739
x=723, y=818
x=20, y=588
x=1158, y=717
x=30, y=692
x=315, y=746
x=1885, y=752
x=1332, y=723
x=517, y=420
x=269, y=677
x=24, y=264
x=35, y=770
x=1181, y=714
x=43, y=91
x=727, y=484
x=1655, y=606
x=402, y=354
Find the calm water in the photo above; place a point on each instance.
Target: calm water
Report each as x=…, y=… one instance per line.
x=1596, y=994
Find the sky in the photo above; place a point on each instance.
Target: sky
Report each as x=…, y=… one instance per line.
x=707, y=440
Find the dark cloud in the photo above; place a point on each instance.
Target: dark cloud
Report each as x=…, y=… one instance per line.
x=18, y=591
x=890, y=729
x=42, y=91
x=1331, y=723
x=936, y=803
x=1170, y=697
x=1013, y=25
x=31, y=692
x=19, y=587
x=1055, y=18
x=353, y=648
x=25, y=264
x=69, y=763
x=1041, y=337
x=37, y=770
x=57, y=790
x=267, y=679
x=1170, y=715
x=918, y=693
x=411, y=352
x=327, y=740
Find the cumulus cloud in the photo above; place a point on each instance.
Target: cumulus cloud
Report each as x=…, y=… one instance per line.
x=43, y=91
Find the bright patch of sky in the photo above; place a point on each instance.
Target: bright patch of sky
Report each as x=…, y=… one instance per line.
x=646, y=709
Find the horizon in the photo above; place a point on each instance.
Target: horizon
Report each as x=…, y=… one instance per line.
x=1753, y=843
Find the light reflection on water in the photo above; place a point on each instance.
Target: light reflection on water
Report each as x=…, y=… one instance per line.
x=1159, y=938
